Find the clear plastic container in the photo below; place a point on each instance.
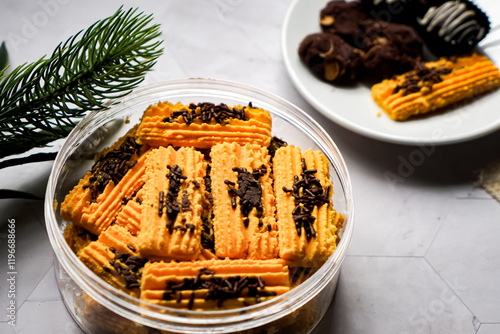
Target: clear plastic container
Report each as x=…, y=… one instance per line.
x=99, y=308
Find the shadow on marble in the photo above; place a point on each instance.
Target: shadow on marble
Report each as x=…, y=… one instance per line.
x=394, y=295
x=466, y=248
x=489, y=329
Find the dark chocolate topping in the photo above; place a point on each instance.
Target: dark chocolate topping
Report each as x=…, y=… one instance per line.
x=219, y=288
x=249, y=191
x=420, y=78
x=112, y=167
x=312, y=195
x=173, y=207
x=206, y=112
x=127, y=266
x=275, y=144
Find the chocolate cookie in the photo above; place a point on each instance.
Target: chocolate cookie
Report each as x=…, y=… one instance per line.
x=453, y=27
x=405, y=38
x=343, y=18
x=330, y=58
x=386, y=59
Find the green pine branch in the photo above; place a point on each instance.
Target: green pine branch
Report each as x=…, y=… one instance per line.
x=43, y=101
x=4, y=58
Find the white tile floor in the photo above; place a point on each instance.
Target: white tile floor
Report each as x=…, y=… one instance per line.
x=424, y=257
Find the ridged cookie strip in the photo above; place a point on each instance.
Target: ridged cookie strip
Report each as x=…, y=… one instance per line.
x=130, y=217
x=97, y=216
x=76, y=201
x=221, y=267
x=157, y=131
x=101, y=257
x=199, y=285
x=469, y=77
x=228, y=223
x=262, y=232
x=324, y=224
x=199, y=303
x=297, y=244
x=286, y=164
x=155, y=181
x=188, y=226
x=108, y=209
x=238, y=235
x=160, y=236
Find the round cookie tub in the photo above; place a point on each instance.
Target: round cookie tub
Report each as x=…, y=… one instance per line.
x=99, y=308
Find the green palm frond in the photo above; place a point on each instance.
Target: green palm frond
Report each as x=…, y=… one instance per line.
x=43, y=101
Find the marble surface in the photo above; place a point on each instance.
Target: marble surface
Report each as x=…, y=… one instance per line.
x=424, y=256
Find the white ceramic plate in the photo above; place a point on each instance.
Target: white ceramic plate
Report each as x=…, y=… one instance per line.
x=354, y=108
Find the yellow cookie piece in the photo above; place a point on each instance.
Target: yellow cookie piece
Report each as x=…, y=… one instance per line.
x=159, y=127
x=97, y=214
x=214, y=284
x=77, y=237
x=111, y=256
x=438, y=85
x=130, y=214
x=241, y=234
x=171, y=212
x=302, y=242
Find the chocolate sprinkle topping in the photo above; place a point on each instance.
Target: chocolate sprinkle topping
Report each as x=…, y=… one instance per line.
x=275, y=144
x=312, y=195
x=249, y=191
x=173, y=207
x=422, y=76
x=186, y=203
x=127, y=266
x=161, y=202
x=206, y=112
x=297, y=274
x=112, y=167
x=219, y=289
x=208, y=180
x=207, y=235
